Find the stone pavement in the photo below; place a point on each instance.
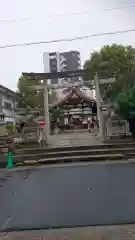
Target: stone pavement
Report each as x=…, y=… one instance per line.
x=126, y=232
x=74, y=139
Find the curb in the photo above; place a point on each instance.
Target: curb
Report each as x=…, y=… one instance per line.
x=42, y=162
x=69, y=160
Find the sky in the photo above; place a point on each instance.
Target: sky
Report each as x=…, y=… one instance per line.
x=48, y=25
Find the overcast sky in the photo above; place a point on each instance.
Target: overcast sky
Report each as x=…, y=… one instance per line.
x=16, y=60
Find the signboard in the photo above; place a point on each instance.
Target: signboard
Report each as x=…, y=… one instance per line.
x=117, y=127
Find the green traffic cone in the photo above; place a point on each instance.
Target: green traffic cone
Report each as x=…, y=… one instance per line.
x=10, y=163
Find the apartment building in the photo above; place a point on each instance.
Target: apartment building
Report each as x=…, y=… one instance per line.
x=51, y=63
x=60, y=62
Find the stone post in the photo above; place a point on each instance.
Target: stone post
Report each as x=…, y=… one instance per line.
x=46, y=114
x=98, y=101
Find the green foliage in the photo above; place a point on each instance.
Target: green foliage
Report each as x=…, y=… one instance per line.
x=126, y=102
x=10, y=128
x=112, y=61
x=28, y=98
x=124, y=84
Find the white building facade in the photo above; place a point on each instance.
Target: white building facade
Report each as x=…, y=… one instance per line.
x=8, y=102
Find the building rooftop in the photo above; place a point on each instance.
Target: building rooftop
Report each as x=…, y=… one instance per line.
x=7, y=91
x=73, y=95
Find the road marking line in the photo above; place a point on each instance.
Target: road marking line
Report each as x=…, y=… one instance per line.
x=6, y=223
x=13, y=194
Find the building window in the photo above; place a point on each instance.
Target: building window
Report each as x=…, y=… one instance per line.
x=7, y=105
x=54, y=64
x=52, y=54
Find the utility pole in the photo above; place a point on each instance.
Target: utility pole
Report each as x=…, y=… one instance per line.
x=98, y=101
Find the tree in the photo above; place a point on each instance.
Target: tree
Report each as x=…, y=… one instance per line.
x=123, y=84
x=126, y=106
x=30, y=98
x=126, y=103
x=111, y=61
x=27, y=97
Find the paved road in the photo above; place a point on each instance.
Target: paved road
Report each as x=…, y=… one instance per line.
x=68, y=196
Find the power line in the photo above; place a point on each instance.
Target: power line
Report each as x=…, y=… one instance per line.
x=64, y=15
x=67, y=39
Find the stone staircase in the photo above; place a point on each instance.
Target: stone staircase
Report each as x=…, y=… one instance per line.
x=69, y=148
x=68, y=154
x=3, y=151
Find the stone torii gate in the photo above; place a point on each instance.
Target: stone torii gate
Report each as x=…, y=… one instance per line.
x=41, y=81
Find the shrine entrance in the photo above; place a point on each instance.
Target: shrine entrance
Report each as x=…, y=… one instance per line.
x=43, y=82
x=77, y=110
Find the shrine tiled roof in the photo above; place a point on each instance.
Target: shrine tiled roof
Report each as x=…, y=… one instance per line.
x=71, y=94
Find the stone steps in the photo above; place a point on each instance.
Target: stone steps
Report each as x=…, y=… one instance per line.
x=84, y=153
x=119, y=145
x=117, y=139
x=71, y=153
x=3, y=152
x=73, y=159
x=102, y=152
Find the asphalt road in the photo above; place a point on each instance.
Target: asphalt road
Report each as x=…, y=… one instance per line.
x=94, y=194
